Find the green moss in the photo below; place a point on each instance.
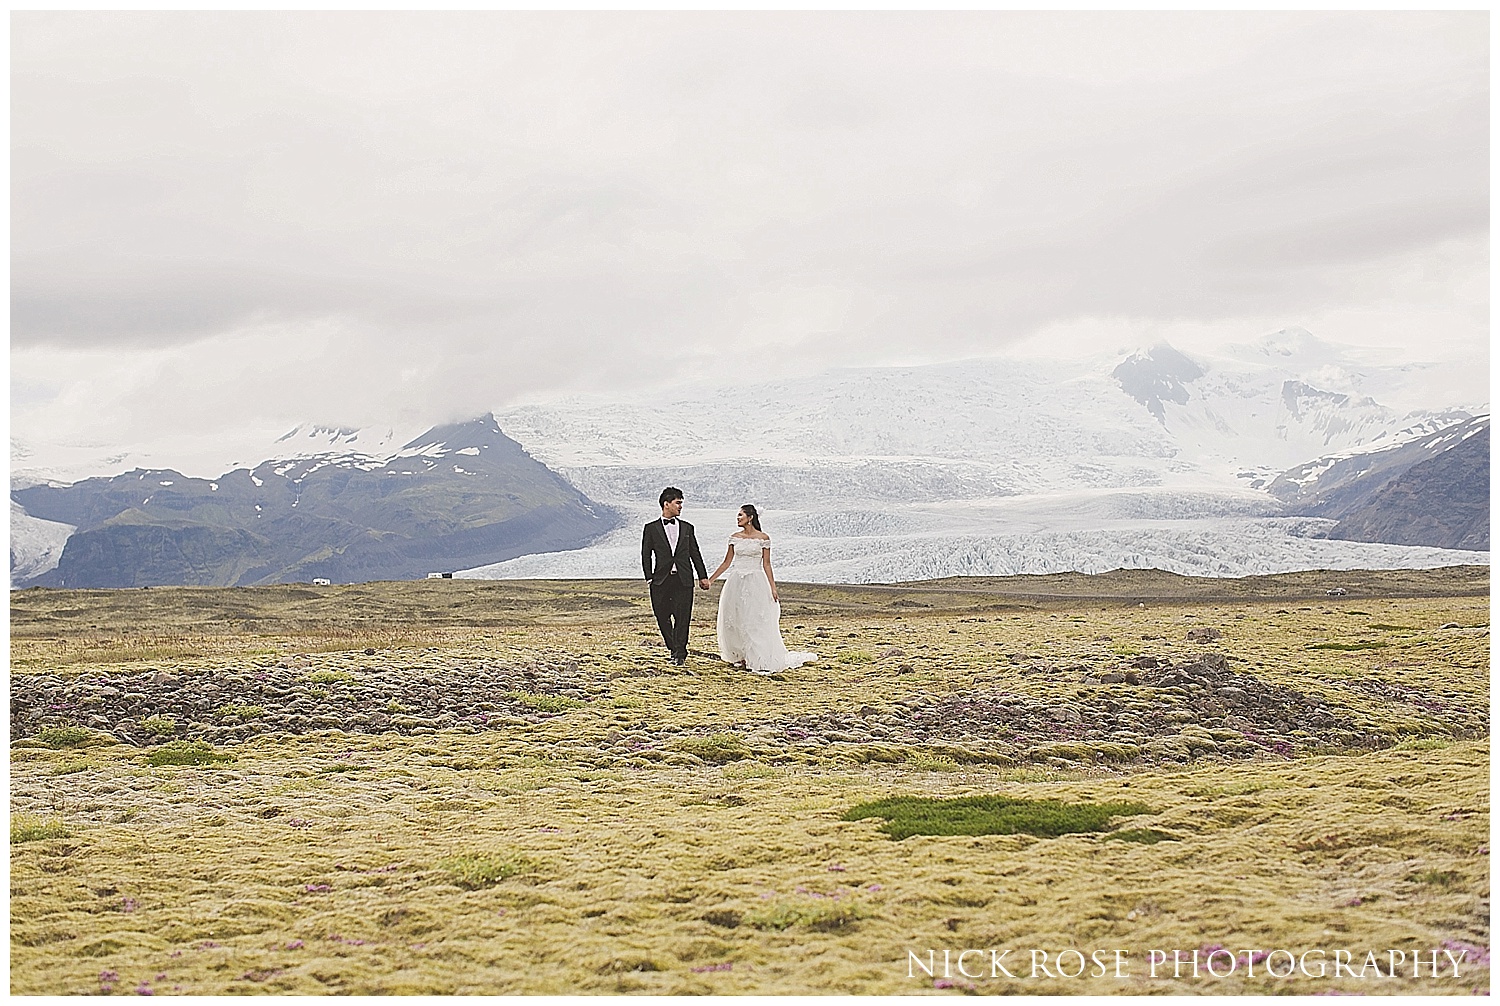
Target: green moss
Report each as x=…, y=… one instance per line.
x=1145, y=836
x=159, y=726
x=31, y=829
x=1438, y=878
x=716, y=749
x=232, y=710
x=1423, y=744
x=65, y=737
x=544, y=703
x=932, y=763
x=989, y=815
x=825, y=914
x=474, y=870
x=187, y=753
x=331, y=678
x=855, y=657
x=1348, y=646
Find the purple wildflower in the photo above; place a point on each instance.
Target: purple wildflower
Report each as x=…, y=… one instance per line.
x=295, y=945
x=1477, y=956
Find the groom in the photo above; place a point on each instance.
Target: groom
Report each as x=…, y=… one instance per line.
x=667, y=546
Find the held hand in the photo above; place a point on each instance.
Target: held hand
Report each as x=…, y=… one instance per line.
x=703, y=584
x=775, y=596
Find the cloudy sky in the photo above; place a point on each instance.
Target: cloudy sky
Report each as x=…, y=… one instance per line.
x=237, y=221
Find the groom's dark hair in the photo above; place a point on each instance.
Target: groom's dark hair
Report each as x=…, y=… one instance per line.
x=669, y=494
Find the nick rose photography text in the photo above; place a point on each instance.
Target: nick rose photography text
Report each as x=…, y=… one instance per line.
x=1204, y=962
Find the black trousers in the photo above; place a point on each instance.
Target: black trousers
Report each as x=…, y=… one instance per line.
x=672, y=601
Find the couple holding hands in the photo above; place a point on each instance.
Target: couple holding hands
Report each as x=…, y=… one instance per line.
x=749, y=608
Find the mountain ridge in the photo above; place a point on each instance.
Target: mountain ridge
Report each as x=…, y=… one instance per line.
x=457, y=493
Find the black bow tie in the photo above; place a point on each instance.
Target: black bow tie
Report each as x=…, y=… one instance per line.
x=669, y=520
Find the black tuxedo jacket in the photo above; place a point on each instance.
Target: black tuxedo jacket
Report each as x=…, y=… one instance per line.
x=657, y=556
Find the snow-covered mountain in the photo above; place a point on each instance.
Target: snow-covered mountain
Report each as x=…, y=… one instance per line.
x=1338, y=483
x=1008, y=464
x=1260, y=408
x=1428, y=487
x=203, y=454
x=457, y=494
x=978, y=428
x=1000, y=465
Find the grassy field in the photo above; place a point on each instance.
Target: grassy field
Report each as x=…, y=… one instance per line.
x=639, y=827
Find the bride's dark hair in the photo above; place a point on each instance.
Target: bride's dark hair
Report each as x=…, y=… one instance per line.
x=750, y=512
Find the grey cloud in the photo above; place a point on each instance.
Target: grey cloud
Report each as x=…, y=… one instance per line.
x=508, y=203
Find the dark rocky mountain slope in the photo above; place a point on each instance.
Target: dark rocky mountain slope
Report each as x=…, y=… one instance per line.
x=1429, y=490
x=461, y=495
x=1443, y=501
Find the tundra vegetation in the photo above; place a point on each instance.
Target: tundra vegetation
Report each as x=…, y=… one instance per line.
x=466, y=786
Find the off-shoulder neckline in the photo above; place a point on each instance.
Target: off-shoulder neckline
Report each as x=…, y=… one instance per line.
x=746, y=537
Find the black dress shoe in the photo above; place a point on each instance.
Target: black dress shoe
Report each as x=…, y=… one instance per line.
x=680, y=660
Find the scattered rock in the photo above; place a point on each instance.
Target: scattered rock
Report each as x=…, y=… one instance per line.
x=1145, y=662
x=1203, y=634
x=239, y=703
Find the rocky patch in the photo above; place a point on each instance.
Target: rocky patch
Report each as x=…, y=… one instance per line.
x=225, y=706
x=1157, y=712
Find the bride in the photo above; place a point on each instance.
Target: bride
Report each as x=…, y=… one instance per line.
x=749, y=608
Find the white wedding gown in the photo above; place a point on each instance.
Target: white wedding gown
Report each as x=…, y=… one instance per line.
x=749, y=620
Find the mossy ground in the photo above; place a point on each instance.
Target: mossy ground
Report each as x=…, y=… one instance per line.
x=530, y=860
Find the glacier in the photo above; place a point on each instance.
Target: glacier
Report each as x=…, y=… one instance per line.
x=1087, y=532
